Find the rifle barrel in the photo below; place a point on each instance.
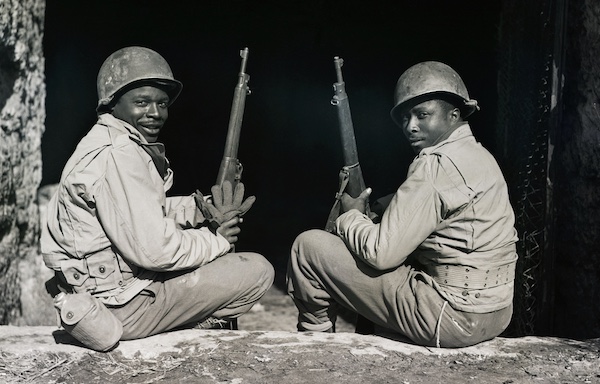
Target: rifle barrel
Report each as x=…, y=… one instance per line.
x=244, y=55
x=230, y=168
x=338, y=62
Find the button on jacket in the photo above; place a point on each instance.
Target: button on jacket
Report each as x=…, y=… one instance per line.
x=453, y=210
x=111, y=228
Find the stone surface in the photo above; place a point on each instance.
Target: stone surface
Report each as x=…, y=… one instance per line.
x=223, y=356
x=267, y=349
x=22, y=341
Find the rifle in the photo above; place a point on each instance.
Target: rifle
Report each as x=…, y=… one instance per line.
x=350, y=177
x=231, y=168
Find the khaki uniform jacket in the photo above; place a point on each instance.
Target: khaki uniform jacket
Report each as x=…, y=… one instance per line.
x=110, y=227
x=453, y=215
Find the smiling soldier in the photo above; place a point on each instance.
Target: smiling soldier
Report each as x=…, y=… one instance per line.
x=438, y=265
x=129, y=261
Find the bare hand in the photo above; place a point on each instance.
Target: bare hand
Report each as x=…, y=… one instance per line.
x=360, y=203
x=230, y=229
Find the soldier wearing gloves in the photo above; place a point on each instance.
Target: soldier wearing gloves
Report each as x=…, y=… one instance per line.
x=438, y=265
x=129, y=261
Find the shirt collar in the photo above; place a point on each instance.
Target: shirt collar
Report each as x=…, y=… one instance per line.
x=155, y=150
x=459, y=133
x=109, y=120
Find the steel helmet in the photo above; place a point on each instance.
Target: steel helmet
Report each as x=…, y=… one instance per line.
x=431, y=78
x=130, y=65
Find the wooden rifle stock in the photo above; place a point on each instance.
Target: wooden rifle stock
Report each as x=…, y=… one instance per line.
x=351, y=178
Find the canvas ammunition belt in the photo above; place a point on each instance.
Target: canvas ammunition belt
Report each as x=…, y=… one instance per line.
x=461, y=276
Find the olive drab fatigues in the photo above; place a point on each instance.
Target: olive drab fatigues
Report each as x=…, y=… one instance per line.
x=111, y=231
x=453, y=217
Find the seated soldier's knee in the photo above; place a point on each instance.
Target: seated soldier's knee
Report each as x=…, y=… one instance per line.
x=268, y=271
x=311, y=245
x=309, y=240
x=310, y=236
x=260, y=267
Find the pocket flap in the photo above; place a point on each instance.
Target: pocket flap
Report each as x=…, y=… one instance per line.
x=74, y=271
x=75, y=307
x=101, y=265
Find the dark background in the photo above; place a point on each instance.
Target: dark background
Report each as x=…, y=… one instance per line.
x=290, y=145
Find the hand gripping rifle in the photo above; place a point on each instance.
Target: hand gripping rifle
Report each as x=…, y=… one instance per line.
x=351, y=178
x=231, y=168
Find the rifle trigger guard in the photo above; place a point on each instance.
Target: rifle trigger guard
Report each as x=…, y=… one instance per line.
x=335, y=102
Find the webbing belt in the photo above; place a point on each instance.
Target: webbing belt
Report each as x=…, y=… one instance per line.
x=461, y=276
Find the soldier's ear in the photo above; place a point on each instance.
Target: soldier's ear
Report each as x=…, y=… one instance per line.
x=455, y=114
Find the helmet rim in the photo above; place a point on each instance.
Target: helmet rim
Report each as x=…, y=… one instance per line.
x=129, y=66
x=429, y=80
x=467, y=107
x=173, y=90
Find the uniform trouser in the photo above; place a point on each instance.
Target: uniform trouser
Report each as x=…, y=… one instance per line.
x=225, y=288
x=323, y=274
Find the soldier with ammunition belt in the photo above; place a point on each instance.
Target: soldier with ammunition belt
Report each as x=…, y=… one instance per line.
x=438, y=265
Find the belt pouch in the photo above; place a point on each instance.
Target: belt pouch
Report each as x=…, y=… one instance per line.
x=88, y=320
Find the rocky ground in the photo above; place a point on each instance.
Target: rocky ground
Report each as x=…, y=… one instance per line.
x=267, y=349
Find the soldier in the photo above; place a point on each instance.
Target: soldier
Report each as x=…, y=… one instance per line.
x=438, y=265
x=129, y=261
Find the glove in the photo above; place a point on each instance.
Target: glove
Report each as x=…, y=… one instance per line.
x=209, y=211
x=228, y=200
x=226, y=203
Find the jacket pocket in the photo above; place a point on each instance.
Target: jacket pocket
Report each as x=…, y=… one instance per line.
x=104, y=269
x=75, y=272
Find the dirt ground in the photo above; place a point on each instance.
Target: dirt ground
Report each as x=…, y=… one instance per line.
x=268, y=350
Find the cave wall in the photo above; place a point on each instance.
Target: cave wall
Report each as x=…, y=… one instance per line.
x=22, y=114
x=577, y=183
x=549, y=134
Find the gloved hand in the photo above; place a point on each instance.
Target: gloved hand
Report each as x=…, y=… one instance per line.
x=209, y=211
x=228, y=200
x=226, y=203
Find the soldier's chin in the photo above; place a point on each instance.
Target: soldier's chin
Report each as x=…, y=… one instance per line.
x=416, y=146
x=151, y=134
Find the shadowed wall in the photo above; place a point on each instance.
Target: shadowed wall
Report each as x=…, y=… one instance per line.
x=22, y=96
